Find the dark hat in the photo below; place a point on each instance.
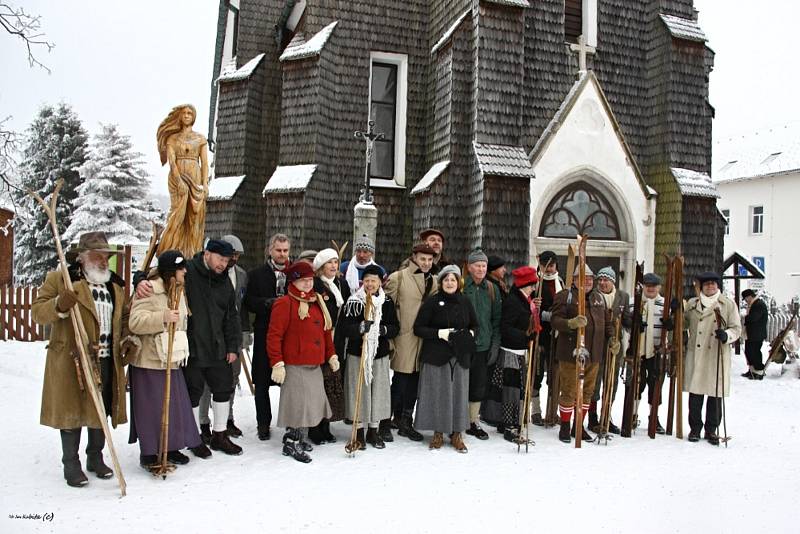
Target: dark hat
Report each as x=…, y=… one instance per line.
x=709, y=276
x=748, y=293
x=298, y=270
x=171, y=260
x=651, y=279
x=477, y=255
x=217, y=246
x=495, y=262
x=524, y=276
x=373, y=270
x=423, y=235
x=423, y=248
x=96, y=241
x=548, y=256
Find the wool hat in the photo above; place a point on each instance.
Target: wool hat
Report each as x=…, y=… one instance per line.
x=449, y=269
x=651, y=279
x=324, y=256
x=235, y=242
x=589, y=271
x=495, y=262
x=298, y=270
x=170, y=260
x=607, y=272
x=364, y=243
x=372, y=270
x=548, y=256
x=709, y=276
x=423, y=235
x=96, y=241
x=748, y=293
x=217, y=246
x=524, y=276
x=423, y=248
x=476, y=256
x=307, y=255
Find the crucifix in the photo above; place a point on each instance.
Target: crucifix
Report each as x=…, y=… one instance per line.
x=369, y=137
x=582, y=49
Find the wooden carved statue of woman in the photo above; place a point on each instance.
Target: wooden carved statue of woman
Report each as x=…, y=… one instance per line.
x=186, y=152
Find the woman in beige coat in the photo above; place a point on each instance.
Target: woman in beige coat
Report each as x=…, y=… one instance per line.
x=708, y=355
x=150, y=318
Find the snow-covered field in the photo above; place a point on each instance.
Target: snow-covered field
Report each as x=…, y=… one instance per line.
x=633, y=485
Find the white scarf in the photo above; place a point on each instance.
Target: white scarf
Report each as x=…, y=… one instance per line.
x=609, y=298
x=355, y=308
x=352, y=273
x=649, y=316
x=709, y=302
x=553, y=276
x=334, y=289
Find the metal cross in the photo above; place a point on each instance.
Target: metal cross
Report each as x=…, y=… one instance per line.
x=369, y=137
x=582, y=49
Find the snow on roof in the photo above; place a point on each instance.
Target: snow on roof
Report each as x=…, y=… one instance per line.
x=450, y=31
x=299, y=48
x=290, y=179
x=427, y=181
x=243, y=72
x=503, y=160
x=513, y=3
x=693, y=183
x=766, y=152
x=682, y=28
x=743, y=260
x=224, y=187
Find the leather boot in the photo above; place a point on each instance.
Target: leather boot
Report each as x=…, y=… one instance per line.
x=594, y=422
x=385, y=431
x=437, y=441
x=374, y=438
x=221, y=442
x=232, y=430
x=585, y=436
x=205, y=432
x=326, y=429
x=406, y=429
x=457, y=441
x=73, y=474
x=563, y=432
x=94, y=454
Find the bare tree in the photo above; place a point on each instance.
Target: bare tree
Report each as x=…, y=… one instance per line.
x=27, y=27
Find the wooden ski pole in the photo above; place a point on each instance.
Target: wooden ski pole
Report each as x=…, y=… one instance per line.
x=580, y=346
x=720, y=400
x=353, y=445
x=79, y=331
x=245, y=362
x=679, y=346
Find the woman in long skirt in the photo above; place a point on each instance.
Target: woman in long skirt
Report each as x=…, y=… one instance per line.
x=447, y=324
x=149, y=319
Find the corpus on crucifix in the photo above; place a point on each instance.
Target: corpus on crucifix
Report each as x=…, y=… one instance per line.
x=369, y=137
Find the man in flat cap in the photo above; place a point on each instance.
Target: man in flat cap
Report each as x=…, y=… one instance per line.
x=755, y=324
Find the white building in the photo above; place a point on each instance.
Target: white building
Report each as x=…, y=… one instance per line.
x=758, y=179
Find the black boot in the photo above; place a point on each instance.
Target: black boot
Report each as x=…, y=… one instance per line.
x=536, y=419
x=221, y=442
x=177, y=457
x=94, y=454
x=612, y=428
x=326, y=430
x=232, y=430
x=511, y=434
x=73, y=474
x=362, y=442
x=385, y=431
x=563, y=432
x=263, y=432
x=659, y=428
x=292, y=446
x=712, y=438
x=594, y=422
x=201, y=451
x=374, y=438
x=476, y=431
x=585, y=436
x=406, y=429
x=205, y=432
x=317, y=434
x=694, y=436
x=148, y=460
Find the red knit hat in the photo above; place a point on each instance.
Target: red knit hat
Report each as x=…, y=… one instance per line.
x=298, y=270
x=524, y=276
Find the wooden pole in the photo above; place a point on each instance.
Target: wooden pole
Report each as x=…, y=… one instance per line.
x=353, y=445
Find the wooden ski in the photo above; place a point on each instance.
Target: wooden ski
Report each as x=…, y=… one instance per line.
x=581, y=354
x=678, y=345
x=663, y=354
x=633, y=357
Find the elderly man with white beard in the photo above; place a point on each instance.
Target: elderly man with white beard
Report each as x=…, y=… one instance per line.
x=99, y=297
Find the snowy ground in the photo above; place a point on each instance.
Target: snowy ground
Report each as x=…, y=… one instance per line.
x=633, y=485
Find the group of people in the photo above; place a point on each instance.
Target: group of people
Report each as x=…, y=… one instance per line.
x=425, y=348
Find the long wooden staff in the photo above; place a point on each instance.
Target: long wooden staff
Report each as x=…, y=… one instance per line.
x=79, y=331
x=679, y=346
x=581, y=353
x=609, y=377
x=353, y=445
x=245, y=359
x=663, y=356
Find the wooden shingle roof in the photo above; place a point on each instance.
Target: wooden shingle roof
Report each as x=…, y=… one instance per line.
x=299, y=48
x=430, y=177
x=694, y=184
x=224, y=187
x=243, y=72
x=290, y=179
x=681, y=28
x=503, y=160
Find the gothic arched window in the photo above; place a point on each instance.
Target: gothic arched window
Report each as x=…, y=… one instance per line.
x=580, y=209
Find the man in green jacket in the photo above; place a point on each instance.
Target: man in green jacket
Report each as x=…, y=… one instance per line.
x=488, y=307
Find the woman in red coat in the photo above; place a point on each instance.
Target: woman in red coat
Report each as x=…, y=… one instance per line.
x=298, y=342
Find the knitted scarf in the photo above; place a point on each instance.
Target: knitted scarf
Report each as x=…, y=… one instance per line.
x=609, y=298
x=280, y=276
x=553, y=276
x=355, y=308
x=306, y=298
x=334, y=289
x=352, y=272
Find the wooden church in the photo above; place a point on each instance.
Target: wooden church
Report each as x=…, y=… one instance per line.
x=508, y=124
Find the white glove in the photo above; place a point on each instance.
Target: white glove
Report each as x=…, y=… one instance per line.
x=444, y=334
x=278, y=373
x=333, y=361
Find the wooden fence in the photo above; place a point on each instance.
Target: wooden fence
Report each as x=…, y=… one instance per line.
x=16, y=320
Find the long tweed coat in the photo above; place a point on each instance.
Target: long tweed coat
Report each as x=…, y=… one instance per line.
x=406, y=289
x=700, y=375
x=63, y=404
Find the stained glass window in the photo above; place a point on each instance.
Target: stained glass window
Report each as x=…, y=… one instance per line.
x=580, y=209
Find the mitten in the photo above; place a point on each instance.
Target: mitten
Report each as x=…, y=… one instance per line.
x=444, y=334
x=279, y=373
x=579, y=321
x=721, y=335
x=333, y=361
x=364, y=326
x=668, y=324
x=66, y=300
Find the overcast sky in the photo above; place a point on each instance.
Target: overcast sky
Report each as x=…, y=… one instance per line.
x=130, y=62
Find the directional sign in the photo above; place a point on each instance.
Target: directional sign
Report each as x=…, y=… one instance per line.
x=759, y=261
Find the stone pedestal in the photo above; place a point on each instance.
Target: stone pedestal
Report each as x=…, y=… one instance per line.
x=365, y=221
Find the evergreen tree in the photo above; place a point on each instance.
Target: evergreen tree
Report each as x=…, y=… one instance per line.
x=114, y=193
x=55, y=147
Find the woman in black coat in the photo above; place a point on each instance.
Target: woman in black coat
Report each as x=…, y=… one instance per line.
x=447, y=324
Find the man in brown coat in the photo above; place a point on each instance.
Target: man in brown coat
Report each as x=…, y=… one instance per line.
x=597, y=329
x=99, y=297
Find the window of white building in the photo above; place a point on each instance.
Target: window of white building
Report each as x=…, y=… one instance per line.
x=388, y=96
x=727, y=215
x=756, y=220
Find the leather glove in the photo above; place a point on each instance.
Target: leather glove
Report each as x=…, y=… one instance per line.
x=668, y=324
x=247, y=340
x=364, y=326
x=278, y=373
x=66, y=300
x=494, y=352
x=614, y=345
x=444, y=334
x=721, y=335
x=579, y=321
x=643, y=327
x=333, y=361
x=546, y=315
